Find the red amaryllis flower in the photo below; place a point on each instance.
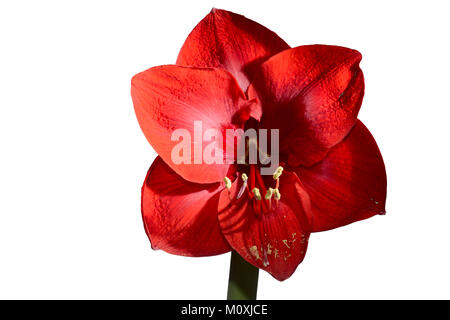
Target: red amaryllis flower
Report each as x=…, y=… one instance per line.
x=234, y=73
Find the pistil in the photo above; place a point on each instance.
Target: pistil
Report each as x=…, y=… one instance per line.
x=263, y=189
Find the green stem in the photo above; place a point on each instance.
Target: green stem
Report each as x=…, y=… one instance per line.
x=243, y=281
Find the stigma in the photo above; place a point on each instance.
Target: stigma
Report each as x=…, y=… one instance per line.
x=243, y=187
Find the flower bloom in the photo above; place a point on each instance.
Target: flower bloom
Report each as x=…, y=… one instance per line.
x=233, y=73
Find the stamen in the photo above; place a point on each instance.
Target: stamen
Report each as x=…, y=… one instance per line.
x=243, y=187
x=260, y=182
x=256, y=193
x=268, y=197
x=277, y=173
x=227, y=183
x=269, y=194
x=276, y=194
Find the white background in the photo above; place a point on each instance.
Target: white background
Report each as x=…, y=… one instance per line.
x=73, y=158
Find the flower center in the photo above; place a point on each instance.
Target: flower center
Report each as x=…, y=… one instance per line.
x=251, y=181
x=255, y=188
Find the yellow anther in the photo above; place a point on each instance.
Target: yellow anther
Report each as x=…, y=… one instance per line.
x=278, y=173
x=244, y=177
x=227, y=183
x=256, y=193
x=276, y=194
x=269, y=194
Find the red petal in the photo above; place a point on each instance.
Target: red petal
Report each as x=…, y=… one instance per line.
x=229, y=41
x=313, y=95
x=349, y=184
x=167, y=98
x=273, y=241
x=180, y=217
